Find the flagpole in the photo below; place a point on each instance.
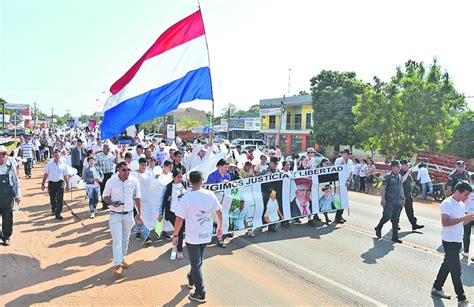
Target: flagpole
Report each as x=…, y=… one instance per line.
x=211, y=135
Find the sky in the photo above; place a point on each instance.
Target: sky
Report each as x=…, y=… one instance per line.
x=65, y=54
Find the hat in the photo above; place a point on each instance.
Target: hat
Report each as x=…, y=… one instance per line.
x=289, y=158
x=326, y=187
x=106, y=146
x=162, y=145
x=404, y=162
x=226, y=142
x=347, y=151
x=460, y=163
x=394, y=163
x=231, y=162
x=3, y=149
x=310, y=149
x=303, y=181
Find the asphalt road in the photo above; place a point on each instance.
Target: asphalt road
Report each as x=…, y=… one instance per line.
x=69, y=262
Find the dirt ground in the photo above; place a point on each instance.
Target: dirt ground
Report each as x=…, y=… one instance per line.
x=69, y=262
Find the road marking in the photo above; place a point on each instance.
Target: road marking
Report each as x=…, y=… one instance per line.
x=312, y=273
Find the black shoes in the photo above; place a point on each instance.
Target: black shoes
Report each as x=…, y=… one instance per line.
x=378, y=232
x=311, y=223
x=198, y=297
x=340, y=221
x=221, y=244
x=59, y=217
x=6, y=242
x=165, y=236
x=416, y=226
x=397, y=240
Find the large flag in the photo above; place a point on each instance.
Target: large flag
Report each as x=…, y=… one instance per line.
x=174, y=70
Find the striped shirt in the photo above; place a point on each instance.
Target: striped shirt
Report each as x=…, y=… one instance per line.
x=106, y=163
x=27, y=149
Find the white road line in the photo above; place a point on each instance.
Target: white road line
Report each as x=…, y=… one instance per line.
x=312, y=273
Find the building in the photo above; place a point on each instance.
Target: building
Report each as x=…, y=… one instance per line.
x=244, y=127
x=290, y=119
x=180, y=113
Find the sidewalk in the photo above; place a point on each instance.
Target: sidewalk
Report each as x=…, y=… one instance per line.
x=69, y=262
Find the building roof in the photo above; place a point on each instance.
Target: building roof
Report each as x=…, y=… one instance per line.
x=292, y=100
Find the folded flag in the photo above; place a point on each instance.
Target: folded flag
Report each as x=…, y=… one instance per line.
x=174, y=70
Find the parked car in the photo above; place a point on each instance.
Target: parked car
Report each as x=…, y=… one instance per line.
x=257, y=143
x=11, y=132
x=151, y=136
x=317, y=156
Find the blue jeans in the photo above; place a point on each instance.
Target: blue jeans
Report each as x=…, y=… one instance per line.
x=93, y=195
x=423, y=188
x=196, y=257
x=356, y=182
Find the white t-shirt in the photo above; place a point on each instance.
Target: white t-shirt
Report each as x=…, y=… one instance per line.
x=348, y=166
x=454, y=209
x=423, y=175
x=177, y=191
x=196, y=208
x=363, y=170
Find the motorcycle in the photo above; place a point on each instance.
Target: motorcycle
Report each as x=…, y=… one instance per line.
x=439, y=193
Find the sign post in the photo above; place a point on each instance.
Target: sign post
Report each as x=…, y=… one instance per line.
x=171, y=131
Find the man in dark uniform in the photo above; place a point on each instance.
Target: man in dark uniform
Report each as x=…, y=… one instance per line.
x=459, y=174
x=407, y=189
x=392, y=201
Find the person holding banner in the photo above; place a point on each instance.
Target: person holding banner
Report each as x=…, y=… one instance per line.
x=174, y=191
x=196, y=208
x=346, y=162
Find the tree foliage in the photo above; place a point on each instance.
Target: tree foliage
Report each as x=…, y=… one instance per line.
x=462, y=141
x=186, y=123
x=415, y=110
x=334, y=94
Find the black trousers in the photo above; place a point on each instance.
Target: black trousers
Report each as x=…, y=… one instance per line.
x=79, y=169
x=102, y=186
x=6, y=210
x=391, y=213
x=28, y=166
x=409, y=209
x=451, y=265
x=56, y=196
x=362, y=184
x=466, y=240
x=172, y=219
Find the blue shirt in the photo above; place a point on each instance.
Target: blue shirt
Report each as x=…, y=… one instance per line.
x=215, y=177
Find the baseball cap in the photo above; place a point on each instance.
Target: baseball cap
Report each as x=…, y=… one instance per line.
x=460, y=163
x=395, y=163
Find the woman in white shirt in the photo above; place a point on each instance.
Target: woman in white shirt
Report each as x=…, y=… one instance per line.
x=425, y=180
x=272, y=213
x=356, y=174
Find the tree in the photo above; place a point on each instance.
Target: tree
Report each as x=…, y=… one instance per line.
x=334, y=94
x=462, y=141
x=186, y=123
x=415, y=110
x=229, y=110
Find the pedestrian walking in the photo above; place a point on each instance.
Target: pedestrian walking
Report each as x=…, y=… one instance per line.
x=407, y=179
x=93, y=177
x=457, y=175
x=105, y=162
x=27, y=153
x=122, y=192
x=196, y=208
x=57, y=175
x=453, y=218
x=78, y=154
x=346, y=162
x=9, y=190
x=392, y=201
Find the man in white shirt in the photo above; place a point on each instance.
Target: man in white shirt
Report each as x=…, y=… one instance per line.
x=346, y=162
x=453, y=218
x=425, y=180
x=57, y=175
x=197, y=207
x=121, y=193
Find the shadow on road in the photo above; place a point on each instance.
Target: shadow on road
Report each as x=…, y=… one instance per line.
x=380, y=249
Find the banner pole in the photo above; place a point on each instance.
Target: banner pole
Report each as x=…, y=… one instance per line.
x=211, y=135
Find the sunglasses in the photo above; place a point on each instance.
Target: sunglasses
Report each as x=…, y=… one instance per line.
x=125, y=170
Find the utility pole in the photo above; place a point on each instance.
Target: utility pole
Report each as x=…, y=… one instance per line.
x=228, y=123
x=35, y=114
x=52, y=112
x=289, y=80
x=282, y=110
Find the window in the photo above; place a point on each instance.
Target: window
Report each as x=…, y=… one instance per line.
x=308, y=120
x=296, y=143
x=297, y=121
x=272, y=122
x=288, y=121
